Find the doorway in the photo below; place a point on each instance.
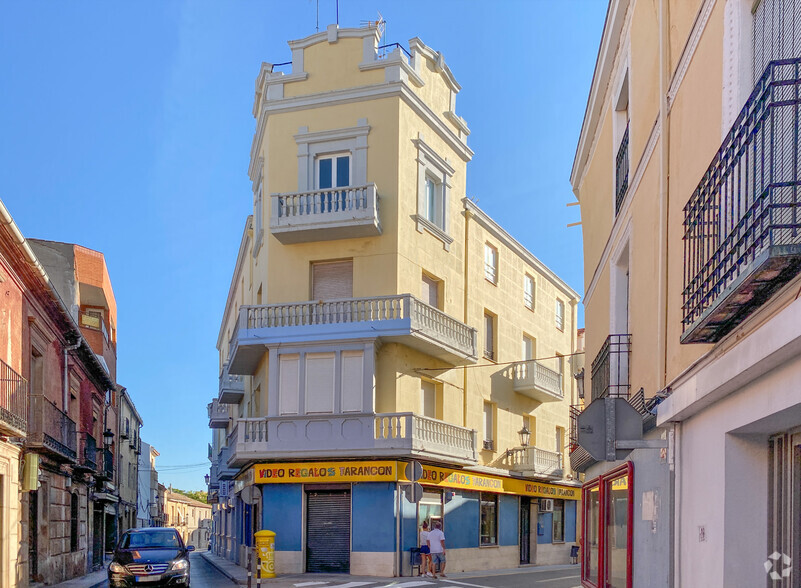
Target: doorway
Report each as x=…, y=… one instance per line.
x=328, y=530
x=525, y=530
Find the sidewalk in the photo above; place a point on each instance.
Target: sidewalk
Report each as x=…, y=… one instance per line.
x=88, y=581
x=239, y=575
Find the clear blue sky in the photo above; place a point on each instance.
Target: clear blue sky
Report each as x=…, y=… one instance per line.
x=126, y=128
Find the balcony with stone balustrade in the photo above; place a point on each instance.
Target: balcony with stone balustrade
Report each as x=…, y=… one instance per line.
x=325, y=215
x=536, y=381
x=386, y=435
x=401, y=318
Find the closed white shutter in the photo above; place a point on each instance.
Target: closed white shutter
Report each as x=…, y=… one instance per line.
x=332, y=280
x=431, y=291
x=319, y=383
x=288, y=383
x=352, y=381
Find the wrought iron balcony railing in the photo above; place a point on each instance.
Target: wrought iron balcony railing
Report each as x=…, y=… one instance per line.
x=742, y=225
x=87, y=451
x=610, y=368
x=50, y=429
x=108, y=464
x=622, y=170
x=13, y=402
x=575, y=411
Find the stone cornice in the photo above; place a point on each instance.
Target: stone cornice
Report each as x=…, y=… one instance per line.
x=351, y=95
x=417, y=46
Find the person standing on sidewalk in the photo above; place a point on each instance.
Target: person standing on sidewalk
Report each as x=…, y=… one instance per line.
x=436, y=543
x=425, y=563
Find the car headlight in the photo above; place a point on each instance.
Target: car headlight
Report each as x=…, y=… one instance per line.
x=180, y=564
x=116, y=568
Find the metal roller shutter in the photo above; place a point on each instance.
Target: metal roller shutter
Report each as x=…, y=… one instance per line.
x=328, y=531
x=332, y=280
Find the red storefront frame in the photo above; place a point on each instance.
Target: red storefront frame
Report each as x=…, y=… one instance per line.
x=602, y=484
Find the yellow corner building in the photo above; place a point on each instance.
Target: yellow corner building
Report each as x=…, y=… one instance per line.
x=377, y=317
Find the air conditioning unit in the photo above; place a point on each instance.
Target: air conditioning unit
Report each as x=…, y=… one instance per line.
x=546, y=504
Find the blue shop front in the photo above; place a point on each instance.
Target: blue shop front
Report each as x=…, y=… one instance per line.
x=357, y=517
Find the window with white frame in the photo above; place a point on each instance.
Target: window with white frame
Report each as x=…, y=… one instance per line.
x=489, y=430
x=559, y=316
x=489, y=336
x=490, y=263
x=529, y=347
x=332, y=171
x=332, y=158
x=434, y=175
x=528, y=292
x=434, y=203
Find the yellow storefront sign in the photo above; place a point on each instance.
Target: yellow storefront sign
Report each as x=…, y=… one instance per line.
x=450, y=478
x=391, y=471
x=322, y=472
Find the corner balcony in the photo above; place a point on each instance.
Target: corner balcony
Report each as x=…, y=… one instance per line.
x=401, y=318
x=533, y=461
x=218, y=415
x=325, y=215
x=13, y=402
x=51, y=430
x=397, y=435
x=742, y=225
x=232, y=387
x=536, y=381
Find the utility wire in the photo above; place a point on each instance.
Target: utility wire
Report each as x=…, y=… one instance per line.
x=495, y=364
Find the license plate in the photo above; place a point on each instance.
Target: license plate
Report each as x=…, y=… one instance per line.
x=152, y=578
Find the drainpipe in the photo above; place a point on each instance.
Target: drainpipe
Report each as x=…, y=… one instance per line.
x=467, y=215
x=674, y=471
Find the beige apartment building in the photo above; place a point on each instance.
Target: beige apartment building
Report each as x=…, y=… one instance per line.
x=687, y=172
x=190, y=517
x=378, y=321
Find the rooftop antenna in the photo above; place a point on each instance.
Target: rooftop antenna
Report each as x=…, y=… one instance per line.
x=317, y=26
x=380, y=24
x=337, y=12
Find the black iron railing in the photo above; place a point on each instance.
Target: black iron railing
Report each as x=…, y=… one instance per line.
x=385, y=50
x=575, y=411
x=279, y=66
x=610, y=368
x=88, y=451
x=50, y=428
x=108, y=464
x=13, y=401
x=622, y=170
x=748, y=201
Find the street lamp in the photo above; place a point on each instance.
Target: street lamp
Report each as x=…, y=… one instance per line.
x=525, y=435
x=580, y=382
x=206, y=477
x=108, y=438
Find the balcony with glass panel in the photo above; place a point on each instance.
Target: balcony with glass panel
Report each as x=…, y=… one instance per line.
x=325, y=214
x=401, y=318
x=393, y=435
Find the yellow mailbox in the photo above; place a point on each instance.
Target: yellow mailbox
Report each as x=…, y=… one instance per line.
x=265, y=547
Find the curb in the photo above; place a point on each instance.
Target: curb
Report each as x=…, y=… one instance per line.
x=220, y=569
